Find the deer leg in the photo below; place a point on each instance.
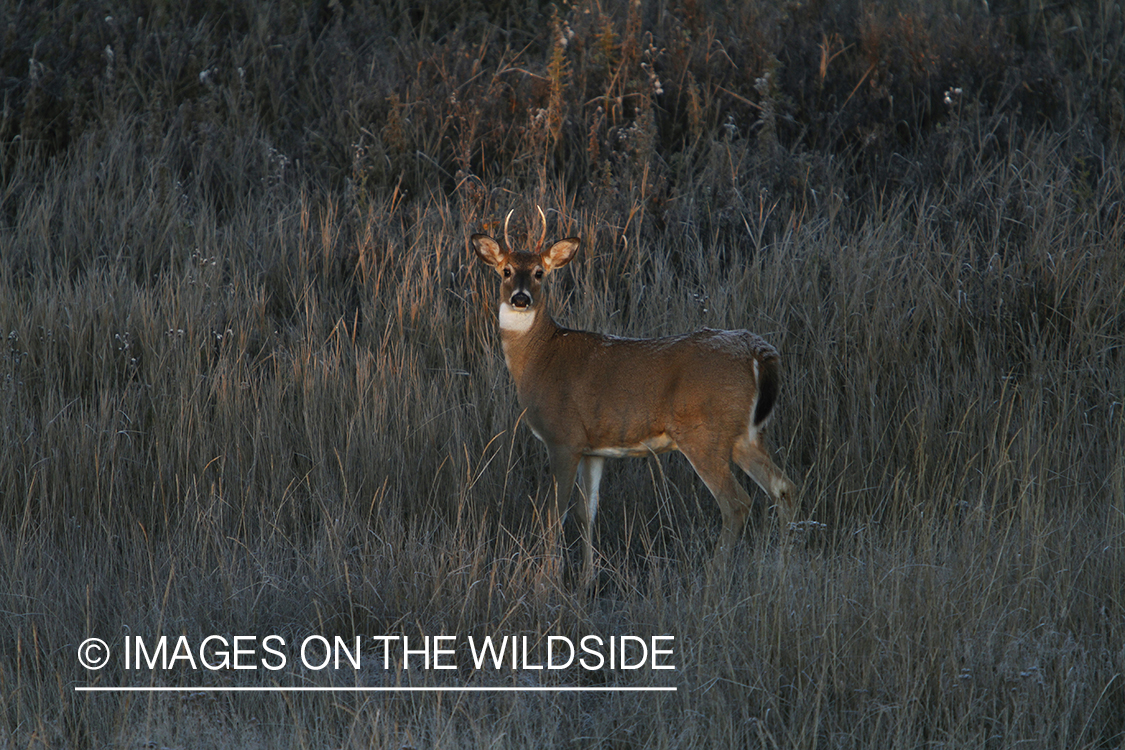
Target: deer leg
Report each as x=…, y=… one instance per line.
x=713, y=467
x=564, y=466
x=589, y=478
x=751, y=456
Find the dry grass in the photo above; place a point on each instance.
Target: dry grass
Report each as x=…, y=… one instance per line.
x=252, y=382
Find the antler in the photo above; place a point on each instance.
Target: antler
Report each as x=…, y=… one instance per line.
x=543, y=236
x=508, y=242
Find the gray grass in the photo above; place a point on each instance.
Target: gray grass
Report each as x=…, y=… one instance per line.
x=279, y=406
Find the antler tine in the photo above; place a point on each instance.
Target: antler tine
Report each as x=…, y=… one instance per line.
x=506, y=240
x=542, y=236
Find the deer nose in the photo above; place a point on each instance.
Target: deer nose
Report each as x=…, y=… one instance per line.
x=521, y=300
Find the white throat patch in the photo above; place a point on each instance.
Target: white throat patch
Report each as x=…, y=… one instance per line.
x=512, y=319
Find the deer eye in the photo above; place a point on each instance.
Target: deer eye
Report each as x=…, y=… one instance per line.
x=538, y=274
x=507, y=272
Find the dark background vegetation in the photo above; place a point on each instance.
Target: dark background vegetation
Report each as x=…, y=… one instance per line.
x=846, y=100
x=252, y=382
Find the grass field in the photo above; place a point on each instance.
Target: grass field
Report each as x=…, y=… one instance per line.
x=252, y=382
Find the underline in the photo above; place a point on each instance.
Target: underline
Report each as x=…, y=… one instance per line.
x=299, y=689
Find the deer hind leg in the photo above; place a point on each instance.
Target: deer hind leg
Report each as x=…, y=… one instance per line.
x=586, y=509
x=712, y=464
x=751, y=456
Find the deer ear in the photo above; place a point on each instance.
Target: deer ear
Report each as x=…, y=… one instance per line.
x=560, y=253
x=488, y=250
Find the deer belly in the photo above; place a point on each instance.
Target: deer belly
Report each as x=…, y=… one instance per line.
x=657, y=444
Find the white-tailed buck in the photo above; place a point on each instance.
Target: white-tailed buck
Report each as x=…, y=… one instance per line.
x=590, y=397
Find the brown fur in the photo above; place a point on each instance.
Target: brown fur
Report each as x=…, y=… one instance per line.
x=590, y=396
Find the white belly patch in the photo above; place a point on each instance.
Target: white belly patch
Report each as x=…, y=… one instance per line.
x=657, y=444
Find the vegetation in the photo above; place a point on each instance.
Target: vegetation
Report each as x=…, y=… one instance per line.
x=252, y=381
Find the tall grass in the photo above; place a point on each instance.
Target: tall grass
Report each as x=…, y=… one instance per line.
x=251, y=379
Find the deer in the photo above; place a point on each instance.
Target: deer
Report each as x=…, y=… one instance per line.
x=590, y=396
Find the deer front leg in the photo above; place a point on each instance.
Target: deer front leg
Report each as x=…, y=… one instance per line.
x=590, y=478
x=564, y=466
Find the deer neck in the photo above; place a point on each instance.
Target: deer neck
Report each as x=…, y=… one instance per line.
x=523, y=336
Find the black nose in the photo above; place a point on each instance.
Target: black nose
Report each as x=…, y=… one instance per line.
x=521, y=300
